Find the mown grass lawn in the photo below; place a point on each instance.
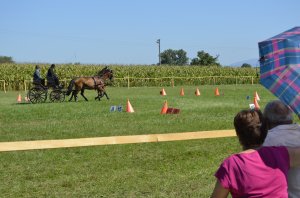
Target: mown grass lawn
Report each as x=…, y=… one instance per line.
x=94, y=119
x=169, y=169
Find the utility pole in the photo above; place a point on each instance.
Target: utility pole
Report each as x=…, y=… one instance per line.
x=158, y=41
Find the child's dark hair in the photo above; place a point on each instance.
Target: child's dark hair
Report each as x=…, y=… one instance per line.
x=248, y=128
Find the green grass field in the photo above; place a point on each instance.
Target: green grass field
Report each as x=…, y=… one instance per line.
x=169, y=169
x=94, y=119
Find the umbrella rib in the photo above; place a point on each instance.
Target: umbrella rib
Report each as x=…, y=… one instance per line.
x=271, y=43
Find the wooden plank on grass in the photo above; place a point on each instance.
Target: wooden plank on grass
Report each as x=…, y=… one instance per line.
x=97, y=141
x=195, y=135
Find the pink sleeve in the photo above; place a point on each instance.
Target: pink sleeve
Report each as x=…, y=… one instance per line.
x=222, y=174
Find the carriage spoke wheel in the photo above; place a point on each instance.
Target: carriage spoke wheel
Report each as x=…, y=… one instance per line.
x=57, y=96
x=37, y=95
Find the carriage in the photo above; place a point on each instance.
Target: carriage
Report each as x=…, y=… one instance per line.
x=39, y=93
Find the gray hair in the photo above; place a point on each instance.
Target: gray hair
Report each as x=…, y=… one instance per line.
x=276, y=112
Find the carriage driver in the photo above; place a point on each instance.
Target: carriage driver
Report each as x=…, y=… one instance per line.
x=52, y=78
x=37, y=79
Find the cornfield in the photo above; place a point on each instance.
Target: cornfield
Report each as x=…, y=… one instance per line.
x=19, y=76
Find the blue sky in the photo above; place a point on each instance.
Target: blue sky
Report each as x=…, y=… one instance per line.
x=125, y=31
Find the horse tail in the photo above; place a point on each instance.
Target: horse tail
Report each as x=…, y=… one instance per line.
x=70, y=87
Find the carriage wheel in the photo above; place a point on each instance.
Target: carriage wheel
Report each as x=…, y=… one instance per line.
x=57, y=96
x=37, y=95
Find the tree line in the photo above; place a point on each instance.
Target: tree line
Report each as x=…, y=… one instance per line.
x=6, y=59
x=179, y=57
x=168, y=57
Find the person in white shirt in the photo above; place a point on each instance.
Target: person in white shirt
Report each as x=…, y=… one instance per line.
x=278, y=120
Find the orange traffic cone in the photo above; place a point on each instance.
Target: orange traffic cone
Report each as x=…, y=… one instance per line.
x=197, y=92
x=164, y=108
x=129, y=108
x=19, y=99
x=217, y=92
x=181, y=92
x=256, y=96
x=163, y=92
x=256, y=103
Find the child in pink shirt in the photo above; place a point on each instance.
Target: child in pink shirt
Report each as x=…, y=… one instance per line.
x=261, y=173
x=255, y=172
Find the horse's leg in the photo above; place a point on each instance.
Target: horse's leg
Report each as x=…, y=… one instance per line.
x=82, y=93
x=100, y=91
x=98, y=96
x=75, y=92
x=103, y=93
x=106, y=95
x=76, y=98
x=71, y=96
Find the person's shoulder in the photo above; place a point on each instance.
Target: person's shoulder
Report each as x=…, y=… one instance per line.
x=285, y=128
x=238, y=159
x=247, y=151
x=227, y=162
x=284, y=131
x=273, y=149
x=231, y=158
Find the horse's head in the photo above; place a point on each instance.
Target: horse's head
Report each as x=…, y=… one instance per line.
x=100, y=73
x=106, y=73
x=110, y=74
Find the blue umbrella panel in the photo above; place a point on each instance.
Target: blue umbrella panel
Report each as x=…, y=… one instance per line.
x=280, y=67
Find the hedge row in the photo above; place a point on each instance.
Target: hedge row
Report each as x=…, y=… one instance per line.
x=15, y=74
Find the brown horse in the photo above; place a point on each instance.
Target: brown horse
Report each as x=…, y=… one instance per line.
x=94, y=82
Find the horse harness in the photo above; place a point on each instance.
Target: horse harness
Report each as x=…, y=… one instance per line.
x=97, y=85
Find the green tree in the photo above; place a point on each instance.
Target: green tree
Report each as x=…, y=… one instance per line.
x=205, y=59
x=6, y=59
x=246, y=65
x=174, y=57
